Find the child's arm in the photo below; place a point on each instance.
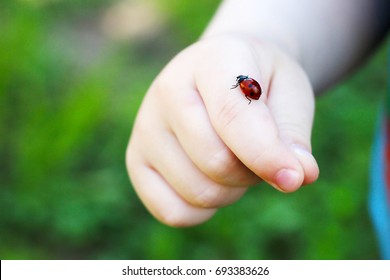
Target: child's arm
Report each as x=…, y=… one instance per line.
x=197, y=145
x=327, y=37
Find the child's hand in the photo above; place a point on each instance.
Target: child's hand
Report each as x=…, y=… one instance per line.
x=197, y=145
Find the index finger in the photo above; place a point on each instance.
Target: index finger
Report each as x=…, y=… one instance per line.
x=248, y=130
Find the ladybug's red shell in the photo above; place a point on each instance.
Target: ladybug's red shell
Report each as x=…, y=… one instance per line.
x=250, y=87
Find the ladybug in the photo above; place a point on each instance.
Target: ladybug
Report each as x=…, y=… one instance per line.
x=250, y=87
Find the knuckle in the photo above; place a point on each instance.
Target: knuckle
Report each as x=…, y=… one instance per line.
x=218, y=196
x=163, y=86
x=221, y=164
x=209, y=197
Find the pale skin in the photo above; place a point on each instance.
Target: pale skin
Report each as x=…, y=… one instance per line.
x=197, y=145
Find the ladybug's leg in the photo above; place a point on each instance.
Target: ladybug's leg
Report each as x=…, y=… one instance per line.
x=234, y=86
x=248, y=99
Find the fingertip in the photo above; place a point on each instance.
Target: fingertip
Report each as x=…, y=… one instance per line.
x=308, y=162
x=312, y=175
x=288, y=180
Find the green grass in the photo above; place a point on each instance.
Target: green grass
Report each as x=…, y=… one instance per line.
x=66, y=111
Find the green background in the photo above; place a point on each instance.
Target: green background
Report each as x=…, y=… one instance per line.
x=68, y=97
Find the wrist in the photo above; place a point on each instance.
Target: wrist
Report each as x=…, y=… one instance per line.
x=253, y=26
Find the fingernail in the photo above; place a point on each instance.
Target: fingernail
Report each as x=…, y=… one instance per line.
x=300, y=150
x=305, y=156
x=287, y=179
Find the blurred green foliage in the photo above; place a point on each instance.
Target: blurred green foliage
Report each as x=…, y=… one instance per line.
x=68, y=98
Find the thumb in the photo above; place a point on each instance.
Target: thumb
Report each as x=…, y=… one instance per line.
x=291, y=102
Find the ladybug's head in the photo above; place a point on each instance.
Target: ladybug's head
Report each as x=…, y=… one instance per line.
x=241, y=78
